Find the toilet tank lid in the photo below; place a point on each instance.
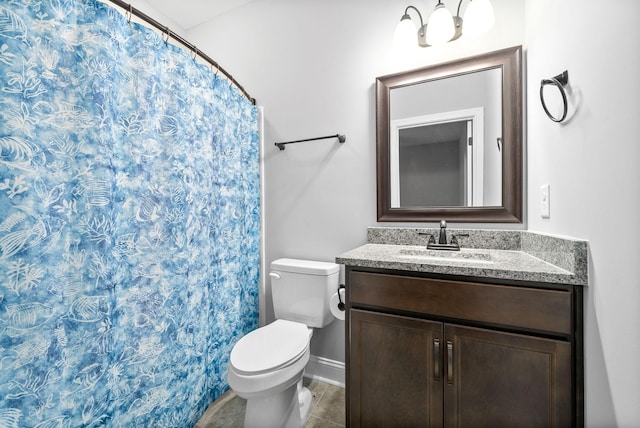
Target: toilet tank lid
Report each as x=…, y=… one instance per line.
x=305, y=266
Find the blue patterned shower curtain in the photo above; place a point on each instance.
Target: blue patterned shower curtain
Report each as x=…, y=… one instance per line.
x=129, y=221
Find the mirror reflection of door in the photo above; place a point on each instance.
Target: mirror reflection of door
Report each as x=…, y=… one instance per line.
x=439, y=160
x=440, y=101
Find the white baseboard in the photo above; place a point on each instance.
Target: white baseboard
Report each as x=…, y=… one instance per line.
x=325, y=370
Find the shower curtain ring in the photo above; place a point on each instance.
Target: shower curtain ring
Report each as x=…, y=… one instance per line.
x=195, y=53
x=129, y=13
x=166, y=35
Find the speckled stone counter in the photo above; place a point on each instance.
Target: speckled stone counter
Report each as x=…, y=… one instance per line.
x=513, y=255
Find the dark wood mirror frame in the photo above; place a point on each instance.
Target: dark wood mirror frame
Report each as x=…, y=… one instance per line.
x=510, y=61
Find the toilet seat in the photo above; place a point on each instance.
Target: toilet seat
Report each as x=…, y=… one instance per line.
x=270, y=348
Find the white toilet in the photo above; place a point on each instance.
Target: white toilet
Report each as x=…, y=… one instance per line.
x=266, y=366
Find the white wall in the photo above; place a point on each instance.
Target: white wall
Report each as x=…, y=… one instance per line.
x=591, y=163
x=312, y=65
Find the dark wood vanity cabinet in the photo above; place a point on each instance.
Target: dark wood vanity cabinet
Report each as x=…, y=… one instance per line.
x=426, y=352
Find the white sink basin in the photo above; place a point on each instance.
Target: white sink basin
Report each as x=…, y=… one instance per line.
x=444, y=256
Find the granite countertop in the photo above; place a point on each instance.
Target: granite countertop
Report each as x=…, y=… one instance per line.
x=510, y=255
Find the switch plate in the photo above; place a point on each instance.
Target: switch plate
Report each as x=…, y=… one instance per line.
x=544, y=201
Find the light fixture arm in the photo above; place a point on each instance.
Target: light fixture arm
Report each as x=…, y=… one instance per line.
x=406, y=16
x=422, y=31
x=458, y=12
x=457, y=23
x=406, y=13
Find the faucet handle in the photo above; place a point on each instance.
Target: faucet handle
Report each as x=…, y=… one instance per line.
x=443, y=223
x=454, y=238
x=431, y=239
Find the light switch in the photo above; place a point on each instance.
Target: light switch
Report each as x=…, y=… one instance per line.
x=544, y=201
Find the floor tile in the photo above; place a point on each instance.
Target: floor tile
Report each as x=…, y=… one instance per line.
x=331, y=406
x=327, y=409
x=314, y=422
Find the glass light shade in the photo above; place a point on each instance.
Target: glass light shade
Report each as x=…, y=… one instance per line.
x=440, y=28
x=478, y=18
x=405, y=35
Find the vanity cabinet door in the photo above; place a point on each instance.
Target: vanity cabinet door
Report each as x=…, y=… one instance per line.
x=396, y=371
x=496, y=379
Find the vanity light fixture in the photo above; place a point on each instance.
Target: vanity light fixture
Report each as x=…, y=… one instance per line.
x=442, y=26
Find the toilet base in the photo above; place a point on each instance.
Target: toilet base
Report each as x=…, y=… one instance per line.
x=289, y=408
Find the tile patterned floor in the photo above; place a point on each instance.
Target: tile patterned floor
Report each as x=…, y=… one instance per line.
x=327, y=408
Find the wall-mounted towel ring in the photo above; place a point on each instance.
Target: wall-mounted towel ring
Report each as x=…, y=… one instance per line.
x=558, y=81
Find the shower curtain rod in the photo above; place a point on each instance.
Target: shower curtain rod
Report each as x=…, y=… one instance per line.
x=167, y=31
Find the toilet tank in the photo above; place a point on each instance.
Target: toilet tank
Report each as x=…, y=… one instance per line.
x=301, y=290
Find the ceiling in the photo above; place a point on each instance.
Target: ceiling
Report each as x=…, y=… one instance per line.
x=191, y=13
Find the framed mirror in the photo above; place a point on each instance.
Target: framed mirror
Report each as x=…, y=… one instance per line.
x=449, y=141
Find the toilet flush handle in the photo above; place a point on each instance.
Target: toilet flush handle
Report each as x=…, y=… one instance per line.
x=274, y=275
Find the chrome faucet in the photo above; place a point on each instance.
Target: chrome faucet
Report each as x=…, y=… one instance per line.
x=443, y=232
x=442, y=243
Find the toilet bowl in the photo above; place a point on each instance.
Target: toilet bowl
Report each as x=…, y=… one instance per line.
x=266, y=366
